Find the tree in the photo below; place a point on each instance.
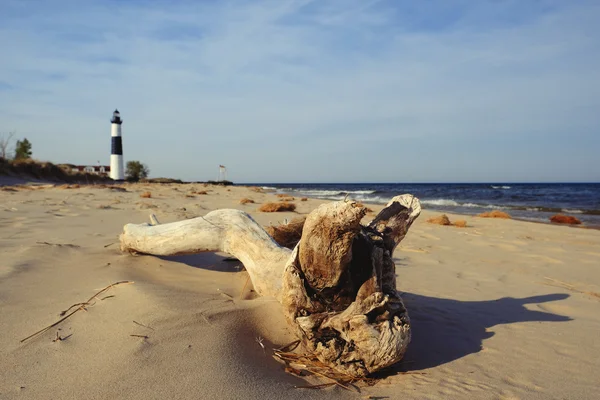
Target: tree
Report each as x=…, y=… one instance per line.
x=4, y=143
x=136, y=170
x=23, y=149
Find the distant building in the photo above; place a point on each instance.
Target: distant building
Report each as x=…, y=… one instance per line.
x=91, y=169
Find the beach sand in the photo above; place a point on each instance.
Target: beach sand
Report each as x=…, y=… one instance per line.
x=502, y=309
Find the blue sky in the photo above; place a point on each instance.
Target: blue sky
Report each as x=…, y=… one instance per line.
x=310, y=90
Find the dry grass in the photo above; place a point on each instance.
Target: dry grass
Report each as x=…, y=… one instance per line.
x=495, y=214
x=190, y=196
x=146, y=195
x=359, y=204
x=445, y=221
x=200, y=192
x=440, y=220
x=256, y=189
x=287, y=199
x=246, y=200
x=308, y=364
x=304, y=199
x=287, y=235
x=75, y=307
x=277, y=207
x=282, y=195
x=564, y=219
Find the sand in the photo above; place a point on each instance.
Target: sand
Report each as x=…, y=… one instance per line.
x=492, y=315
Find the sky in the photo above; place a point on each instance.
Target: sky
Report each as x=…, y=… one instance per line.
x=310, y=90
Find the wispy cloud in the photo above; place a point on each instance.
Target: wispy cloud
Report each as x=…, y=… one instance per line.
x=342, y=90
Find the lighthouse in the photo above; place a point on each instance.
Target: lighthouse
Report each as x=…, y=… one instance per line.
x=117, y=172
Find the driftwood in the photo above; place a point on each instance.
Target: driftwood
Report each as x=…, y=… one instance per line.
x=337, y=286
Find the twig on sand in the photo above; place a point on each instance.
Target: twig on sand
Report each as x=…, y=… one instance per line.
x=108, y=245
x=60, y=244
x=259, y=340
x=145, y=326
x=80, y=306
x=60, y=338
x=141, y=336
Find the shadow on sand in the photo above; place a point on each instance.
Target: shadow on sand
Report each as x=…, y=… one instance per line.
x=444, y=330
x=209, y=261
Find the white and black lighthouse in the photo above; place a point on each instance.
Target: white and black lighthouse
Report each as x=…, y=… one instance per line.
x=117, y=172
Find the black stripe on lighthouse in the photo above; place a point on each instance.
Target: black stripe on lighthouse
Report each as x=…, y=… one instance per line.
x=117, y=146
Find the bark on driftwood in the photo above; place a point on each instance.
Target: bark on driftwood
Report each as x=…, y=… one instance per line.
x=337, y=286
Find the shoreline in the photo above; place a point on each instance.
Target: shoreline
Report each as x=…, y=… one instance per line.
x=6, y=181
x=582, y=225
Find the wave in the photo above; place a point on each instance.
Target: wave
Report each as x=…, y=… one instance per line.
x=441, y=202
x=268, y=188
x=319, y=193
x=554, y=210
x=494, y=206
x=501, y=187
x=452, y=203
x=333, y=192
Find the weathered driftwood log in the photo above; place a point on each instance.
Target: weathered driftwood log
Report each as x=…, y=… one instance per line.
x=337, y=287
